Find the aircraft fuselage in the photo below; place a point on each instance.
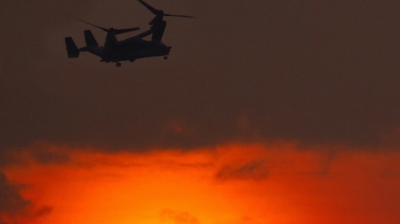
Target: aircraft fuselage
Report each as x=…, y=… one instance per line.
x=133, y=50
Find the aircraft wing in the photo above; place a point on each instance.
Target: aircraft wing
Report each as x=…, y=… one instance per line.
x=139, y=36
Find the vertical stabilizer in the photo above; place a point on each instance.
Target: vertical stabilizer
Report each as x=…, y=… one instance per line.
x=89, y=39
x=72, y=50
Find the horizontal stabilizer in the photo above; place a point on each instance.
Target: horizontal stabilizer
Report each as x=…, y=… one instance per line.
x=72, y=50
x=89, y=39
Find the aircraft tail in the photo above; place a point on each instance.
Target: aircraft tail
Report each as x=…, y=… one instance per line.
x=89, y=39
x=72, y=50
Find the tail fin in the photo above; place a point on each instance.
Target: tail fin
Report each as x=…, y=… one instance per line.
x=89, y=39
x=72, y=50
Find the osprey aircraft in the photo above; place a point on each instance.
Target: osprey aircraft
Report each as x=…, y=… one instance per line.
x=129, y=49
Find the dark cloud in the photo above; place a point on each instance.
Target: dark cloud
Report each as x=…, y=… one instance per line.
x=253, y=170
x=45, y=210
x=9, y=157
x=14, y=206
x=11, y=201
x=36, y=153
x=50, y=157
x=318, y=72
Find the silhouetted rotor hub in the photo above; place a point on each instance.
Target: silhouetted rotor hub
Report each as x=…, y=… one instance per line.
x=159, y=13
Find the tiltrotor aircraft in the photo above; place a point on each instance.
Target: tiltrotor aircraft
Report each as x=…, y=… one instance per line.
x=129, y=49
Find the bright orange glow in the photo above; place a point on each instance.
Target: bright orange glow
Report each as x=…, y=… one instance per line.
x=234, y=183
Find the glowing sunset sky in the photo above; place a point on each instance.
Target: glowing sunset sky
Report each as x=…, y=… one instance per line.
x=266, y=112
x=228, y=184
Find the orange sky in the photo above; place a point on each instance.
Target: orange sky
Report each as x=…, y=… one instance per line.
x=234, y=183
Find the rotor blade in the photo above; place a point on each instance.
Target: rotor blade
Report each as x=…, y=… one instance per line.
x=149, y=7
x=94, y=25
x=179, y=16
x=119, y=31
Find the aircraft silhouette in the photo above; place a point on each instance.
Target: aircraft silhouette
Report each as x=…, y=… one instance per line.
x=129, y=49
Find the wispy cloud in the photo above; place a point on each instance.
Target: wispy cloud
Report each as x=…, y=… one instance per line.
x=252, y=170
x=178, y=217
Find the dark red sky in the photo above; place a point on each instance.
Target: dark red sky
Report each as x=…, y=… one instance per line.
x=310, y=72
